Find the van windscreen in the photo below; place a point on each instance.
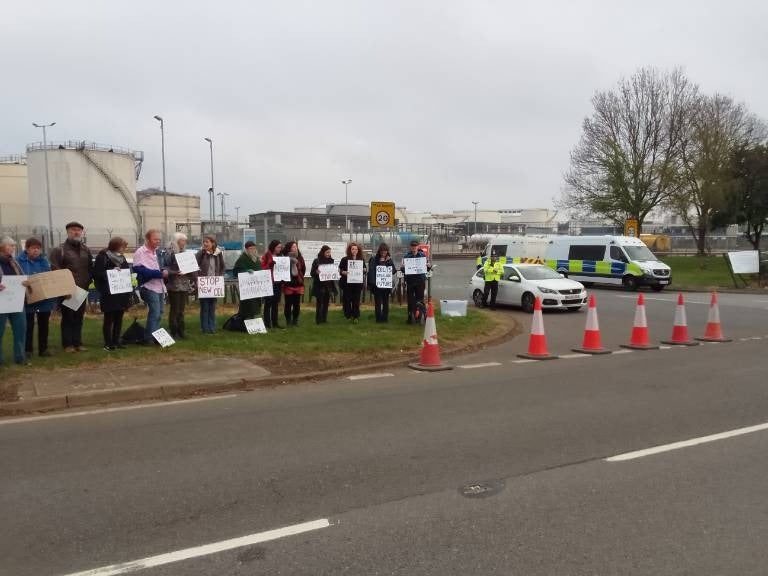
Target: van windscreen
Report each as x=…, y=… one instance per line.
x=586, y=252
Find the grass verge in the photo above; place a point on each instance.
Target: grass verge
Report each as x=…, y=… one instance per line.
x=704, y=272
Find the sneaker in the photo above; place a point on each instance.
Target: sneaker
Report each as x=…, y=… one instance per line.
x=69, y=349
x=109, y=348
x=81, y=349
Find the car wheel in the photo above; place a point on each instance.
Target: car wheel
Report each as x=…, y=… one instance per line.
x=477, y=298
x=657, y=288
x=630, y=283
x=528, y=302
x=563, y=272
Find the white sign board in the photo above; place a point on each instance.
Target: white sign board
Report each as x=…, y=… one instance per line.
x=187, y=262
x=163, y=338
x=354, y=271
x=76, y=300
x=257, y=284
x=210, y=286
x=255, y=326
x=383, y=277
x=12, y=298
x=310, y=248
x=327, y=272
x=745, y=261
x=119, y=281
x=282, y=270
x=415, y=265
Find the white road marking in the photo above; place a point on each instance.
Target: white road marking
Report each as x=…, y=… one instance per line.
x=744, y=339
x=622, y=352
x=571, y=356
x=370, y=376
x=523, y=361
x=157, y=404
x=481, y=365
x=756, y=338
x=205, y=550
x=662, y=347
x=672, y=300
x=686, y=443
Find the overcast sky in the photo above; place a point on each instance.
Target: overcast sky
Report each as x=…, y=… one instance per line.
x=429, y=104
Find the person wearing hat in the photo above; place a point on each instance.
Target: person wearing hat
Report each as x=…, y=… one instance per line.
x=73, y=255
x=414, y=283
x=249, y=261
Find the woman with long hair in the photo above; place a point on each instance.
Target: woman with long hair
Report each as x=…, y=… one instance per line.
x=210, y=259
x=294, y=290
x=113, y=306
x=351, y=291
x=272, y=303
x=380, y=295
x=322, y=290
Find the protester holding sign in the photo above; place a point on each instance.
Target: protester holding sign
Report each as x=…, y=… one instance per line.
x=179, y=285
x=249, y=261
x=272, y=304
x=150, y=276
x=380, y=271
x=294, y=289
x=32, y=261
x=415, y=278
x=322, y=289
x=18, y=320
x=211, y=262
x=351, y=283
x=113, y=305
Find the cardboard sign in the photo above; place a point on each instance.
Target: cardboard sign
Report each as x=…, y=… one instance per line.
x=12, y=298
x=50, y=285
x=76, y=300
x=187, y=262
x=255, y=284
x=327, y=272
x=163, y=338
x=255, y=326
x=354, y=271
x=119, y=281
x=383, y=277
x=310, y=248
x=282, y=270
x=210, y=286
x=415, y=265
x=745, y=261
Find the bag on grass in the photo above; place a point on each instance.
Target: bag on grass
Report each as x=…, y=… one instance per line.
x=235, y=324
x=134, y=334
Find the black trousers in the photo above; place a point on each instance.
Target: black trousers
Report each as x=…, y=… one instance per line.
x=381, y=303
x=321, y=306
x=112, y=327
x=292, y=308
x=72, y=326
x=177, y=302
x=351, y=300
x=415, y=293
x=42, y=331
x=492, y=287
x=271, y=306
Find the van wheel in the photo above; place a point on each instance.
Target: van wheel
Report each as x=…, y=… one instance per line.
x=477, y=298
x=630, y=283
x=528, y=302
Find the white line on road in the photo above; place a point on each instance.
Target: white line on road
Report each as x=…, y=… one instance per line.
x=662, y=347
x=672, y=300
x=523, y=361
x=159, y=404
x=205, y=550
x=686, y=443
x=572, y=356
x=481, y=365
x=744, y=339
x=622, y=352
x=369, y=376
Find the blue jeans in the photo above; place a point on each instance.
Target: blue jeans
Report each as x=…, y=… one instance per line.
x=208, y=315
x=18, y=321
x=154, y=302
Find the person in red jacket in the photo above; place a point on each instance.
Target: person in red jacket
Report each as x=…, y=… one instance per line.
x=294, y=290
x=272, y=303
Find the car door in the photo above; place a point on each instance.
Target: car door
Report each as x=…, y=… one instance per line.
x=510, y=290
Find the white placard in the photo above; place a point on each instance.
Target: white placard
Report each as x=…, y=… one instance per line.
x=255, y=326
x=383, y=277
x=310, y=248
x=354, y=271
x=119, y=281
x=76, y=300
x=415, y=265
x=163, y=338
x=327, y=272
x=12, y=298
x=282, y=270
x=745, y=261
x=210, y=286
x=187, y=262
x=257, y=284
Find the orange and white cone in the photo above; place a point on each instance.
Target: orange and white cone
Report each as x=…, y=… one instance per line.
x=639, y=340
x=430, y=349
x=714, y=332
x=680, y=327
x=591, y=343
x=537, y=345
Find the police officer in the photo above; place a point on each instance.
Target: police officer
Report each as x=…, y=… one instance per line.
x=492, y=272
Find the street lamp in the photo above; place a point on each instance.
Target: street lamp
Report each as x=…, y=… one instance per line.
x=211, y=190
x=165, y=192
x=475, y=203
x=223, y=195
x=47, y=179
x=346, y=183
x=237, y=216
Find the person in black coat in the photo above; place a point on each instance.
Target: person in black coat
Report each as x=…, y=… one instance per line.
x=380, y=295
x=351, y=291
x=322, y=290
x=113, y=306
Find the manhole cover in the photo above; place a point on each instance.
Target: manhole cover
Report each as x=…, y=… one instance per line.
x=482, y=489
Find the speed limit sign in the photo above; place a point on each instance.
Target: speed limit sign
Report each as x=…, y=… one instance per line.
x=382, y=214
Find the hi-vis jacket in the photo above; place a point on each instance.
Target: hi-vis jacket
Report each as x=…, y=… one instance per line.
x=493, y=272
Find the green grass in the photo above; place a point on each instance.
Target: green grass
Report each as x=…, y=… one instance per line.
x=704, y=272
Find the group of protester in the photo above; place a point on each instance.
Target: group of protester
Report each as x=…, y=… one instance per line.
x=159, y=278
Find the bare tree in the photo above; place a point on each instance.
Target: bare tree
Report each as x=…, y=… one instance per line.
x=628, y=158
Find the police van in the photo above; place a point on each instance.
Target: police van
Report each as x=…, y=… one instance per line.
x=618, y=260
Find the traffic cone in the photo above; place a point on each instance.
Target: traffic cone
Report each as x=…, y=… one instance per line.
x=680, y=328
x=714, y=332
x=537, y=345
x=591, y=343
x=430, y=349
x=639, y=340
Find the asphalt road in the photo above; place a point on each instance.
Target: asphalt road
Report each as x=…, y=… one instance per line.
x=392, y=463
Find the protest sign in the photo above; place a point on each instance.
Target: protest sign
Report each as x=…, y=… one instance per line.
x=210, y=286
x=12, y=298
x=282, y=270
x=415, y=265
x=119, y=280
x=255, y=326
x=383, y=277
x=745, y=261
x=50, y=285
x=310, y=248
x=163, y=338
x=326, y=272
x=187, y=262
x=354, y=271
x=255, y=284
x=76, y=299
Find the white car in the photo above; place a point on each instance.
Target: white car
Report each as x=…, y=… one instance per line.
x=522, y=283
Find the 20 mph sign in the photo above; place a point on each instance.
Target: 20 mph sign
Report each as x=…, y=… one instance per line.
x=382, y=214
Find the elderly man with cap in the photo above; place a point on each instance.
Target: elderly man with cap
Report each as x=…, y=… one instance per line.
x=74, y=256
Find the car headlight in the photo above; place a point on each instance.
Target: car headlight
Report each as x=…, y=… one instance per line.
x=546, y=290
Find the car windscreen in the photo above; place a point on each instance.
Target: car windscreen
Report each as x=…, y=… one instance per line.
x=539, y=273
x=639, y=253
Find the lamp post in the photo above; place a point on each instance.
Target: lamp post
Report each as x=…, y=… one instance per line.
x=475, y=203
x=165, y=192
x=212, y=190
x=346, y=183
x=223, y=195
x=47, y=180
x=237, y=216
